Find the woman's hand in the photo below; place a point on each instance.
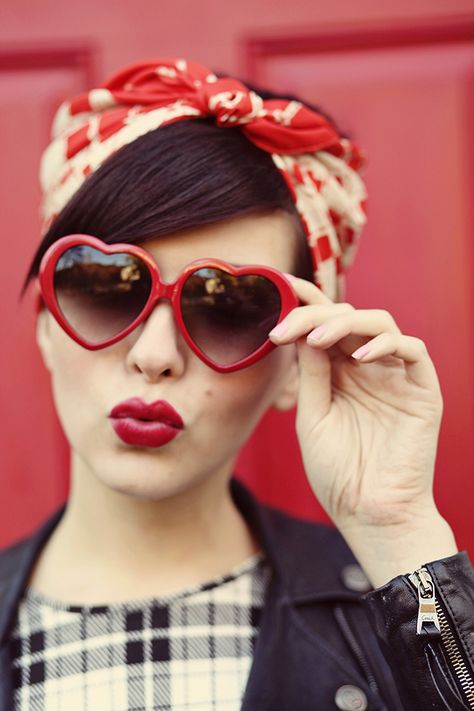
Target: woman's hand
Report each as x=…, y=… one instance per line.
x=368, y=416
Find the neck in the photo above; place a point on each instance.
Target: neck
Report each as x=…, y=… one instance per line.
x=110, y=546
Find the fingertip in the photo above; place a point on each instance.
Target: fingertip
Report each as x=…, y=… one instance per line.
x=361, y=352
x=279, y=330
x=317, y=333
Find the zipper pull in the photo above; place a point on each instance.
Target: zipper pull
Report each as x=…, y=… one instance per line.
x=427, y=622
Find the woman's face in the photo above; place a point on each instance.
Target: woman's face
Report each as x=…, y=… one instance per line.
x=154, y=362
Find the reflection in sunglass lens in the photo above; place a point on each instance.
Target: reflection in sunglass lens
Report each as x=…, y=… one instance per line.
x=100, y=294
x=229, y=317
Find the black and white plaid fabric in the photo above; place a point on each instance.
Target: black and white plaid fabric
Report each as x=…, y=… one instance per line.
x=190, y=651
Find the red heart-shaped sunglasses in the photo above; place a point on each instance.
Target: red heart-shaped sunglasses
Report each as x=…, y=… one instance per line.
x=99, y=292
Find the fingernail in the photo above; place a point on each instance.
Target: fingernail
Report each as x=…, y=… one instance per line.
x=279, y=330
x=291, y=277
x=361, y=352
x=317, y=333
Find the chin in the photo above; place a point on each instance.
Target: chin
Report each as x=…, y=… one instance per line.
x=147, y=481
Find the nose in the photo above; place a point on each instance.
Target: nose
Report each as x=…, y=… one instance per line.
x=160, y=349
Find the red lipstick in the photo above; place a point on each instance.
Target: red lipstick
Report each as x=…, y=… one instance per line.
x=145, y=425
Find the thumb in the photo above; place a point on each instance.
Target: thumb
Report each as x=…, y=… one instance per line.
x=314, y=388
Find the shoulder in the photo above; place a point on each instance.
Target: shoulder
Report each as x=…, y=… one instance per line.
x=285, y=528
x=16, y=562
x=304, y=534
x=311, y=557
x=17, y=558
x=11, y=556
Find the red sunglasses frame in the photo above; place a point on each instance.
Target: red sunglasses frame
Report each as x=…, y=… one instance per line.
x=159, y=290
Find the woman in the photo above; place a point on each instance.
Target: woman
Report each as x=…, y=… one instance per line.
x=191, y=277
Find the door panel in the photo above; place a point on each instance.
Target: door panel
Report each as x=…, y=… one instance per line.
x=33, y=452
x=411, y=108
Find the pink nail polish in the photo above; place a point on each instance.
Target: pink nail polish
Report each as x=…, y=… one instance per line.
x=279, y=330
x=291, y=277
x=317, y=333
x=361, y=352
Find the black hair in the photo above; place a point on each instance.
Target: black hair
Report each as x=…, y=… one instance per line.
x=185, y=174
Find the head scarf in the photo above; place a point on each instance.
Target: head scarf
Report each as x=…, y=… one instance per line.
x=321, y=168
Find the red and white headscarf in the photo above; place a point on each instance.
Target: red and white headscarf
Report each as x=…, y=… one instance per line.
x=320, y=167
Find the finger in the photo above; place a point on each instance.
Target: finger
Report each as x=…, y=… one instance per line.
x=351, y=329
x=308, y=292
x=412, y=350
x=306, y=317
x=340, y=323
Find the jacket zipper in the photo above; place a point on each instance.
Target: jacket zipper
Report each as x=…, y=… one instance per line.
x=432, y=621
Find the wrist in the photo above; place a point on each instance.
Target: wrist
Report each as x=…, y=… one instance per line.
x=385, y=551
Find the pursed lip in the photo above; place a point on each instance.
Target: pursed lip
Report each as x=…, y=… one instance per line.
x=142, y=424
x=157, y=411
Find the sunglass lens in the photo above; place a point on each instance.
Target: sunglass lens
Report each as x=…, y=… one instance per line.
x=229, y=317
x=100, y=294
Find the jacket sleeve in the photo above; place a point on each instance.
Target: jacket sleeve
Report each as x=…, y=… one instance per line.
x=424, y=622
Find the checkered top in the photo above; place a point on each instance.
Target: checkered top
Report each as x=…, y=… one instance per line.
x=189, y=651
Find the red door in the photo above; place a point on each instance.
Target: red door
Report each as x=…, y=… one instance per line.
x=406, y=94
x=33, y=452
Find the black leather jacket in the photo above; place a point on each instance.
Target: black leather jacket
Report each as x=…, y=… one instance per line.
x=325, y=642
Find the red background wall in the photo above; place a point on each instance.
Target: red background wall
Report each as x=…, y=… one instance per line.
x=398, y=75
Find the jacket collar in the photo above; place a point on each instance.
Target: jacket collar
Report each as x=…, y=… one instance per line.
x=307, y=558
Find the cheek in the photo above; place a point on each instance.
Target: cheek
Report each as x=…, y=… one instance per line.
x=237, y=401
x=77, y=380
